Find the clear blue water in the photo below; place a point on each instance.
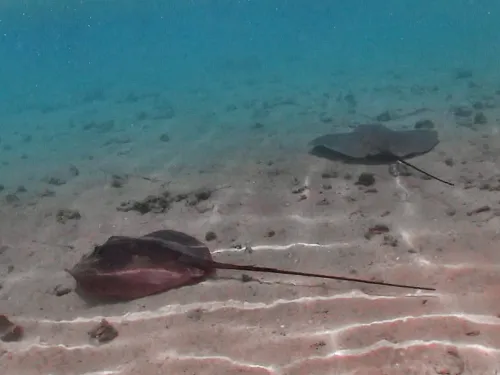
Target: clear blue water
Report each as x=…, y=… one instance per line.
x=201, y=54
x=205, y=72
x=53, y=52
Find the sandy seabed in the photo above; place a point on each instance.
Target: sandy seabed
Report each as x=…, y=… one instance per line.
x=294, y=211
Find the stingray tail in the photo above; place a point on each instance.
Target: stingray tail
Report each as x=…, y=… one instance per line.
x=297, y=273
x=424, y=172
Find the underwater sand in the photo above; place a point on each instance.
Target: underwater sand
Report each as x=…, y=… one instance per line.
x=295, y=211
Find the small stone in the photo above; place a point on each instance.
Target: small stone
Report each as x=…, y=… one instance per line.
x=451, y=212
x=64, y=215
x=60, y=290
x=478, y=105
x=152, y=203
x=473, y=333
x=21, y=189
x=463, y=74
x=299, y=190
x=384, y=116
x=270, y=233
x=202, y=194
x=104, y=332
x=375, y=230
x=462, y=111
x=390, y=240
x=73, y=171
x=449, y=162
x=210, y=236
x=118, y=181
x=165, y=137
x=246, y=278
x=479, y=210
x=480, y=119
x=323, y=202
x=47, y=193
x=55, y=181
x=330, y=174
x=365, y=179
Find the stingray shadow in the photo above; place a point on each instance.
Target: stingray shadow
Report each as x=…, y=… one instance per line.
x=379, y=159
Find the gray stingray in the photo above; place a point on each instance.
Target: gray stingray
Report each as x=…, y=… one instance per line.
x=374, y=143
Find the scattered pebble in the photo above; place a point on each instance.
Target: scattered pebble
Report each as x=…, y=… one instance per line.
x=451, y=212
x=270, y=233
x=61, y=290
x=56, y=181
x=73, y=171
x=390, y=240
x=210, y=236
x=323, y=202
x=473, y=333
x=104, y=332
x=384, y=116
x=480, y=119
x=365, y=179
x=246, y=278
x=329, y=174
x=479, y=210
x=64, y=215
x=118, y=181
x=299, y=190
x=462, y=111
x=375, y=230
x=165, y=137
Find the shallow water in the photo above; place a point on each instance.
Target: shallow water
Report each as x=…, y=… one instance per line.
x=107, y=102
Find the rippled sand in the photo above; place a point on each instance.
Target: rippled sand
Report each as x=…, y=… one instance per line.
x=274, y=324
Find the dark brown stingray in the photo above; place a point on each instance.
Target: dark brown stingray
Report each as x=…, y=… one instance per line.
x=126, y=268
x=374, y=143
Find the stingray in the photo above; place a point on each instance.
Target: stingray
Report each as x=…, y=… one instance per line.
x=376, y=144
x=127, y=268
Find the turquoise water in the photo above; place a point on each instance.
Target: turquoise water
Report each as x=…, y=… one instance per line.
x=228, y=94
x=202, y=55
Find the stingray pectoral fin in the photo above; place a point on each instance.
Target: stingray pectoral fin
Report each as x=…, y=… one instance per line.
x=413, y=142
